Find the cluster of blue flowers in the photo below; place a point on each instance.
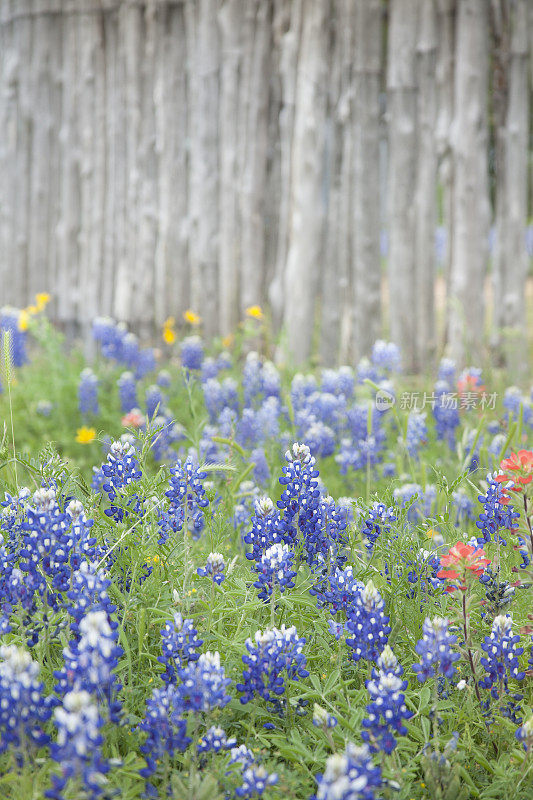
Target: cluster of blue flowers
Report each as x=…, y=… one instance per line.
x=88, y=392
x=501, y=659
x=121, y=471
x=187, y=501
x=122, y=346
x=270, y=657
x=349, y=776
x=180, y=646
x=387, y=711
x=435, y=650
x=368, y=624
x=275, y=570
x=214, y=568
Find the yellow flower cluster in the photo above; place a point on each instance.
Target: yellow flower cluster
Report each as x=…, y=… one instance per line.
x=41, y=301
x=191, y=317
x=85, y=435
x=169, y=334
x=255, y=312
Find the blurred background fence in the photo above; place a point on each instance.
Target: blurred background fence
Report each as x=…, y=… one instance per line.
x=341, y=162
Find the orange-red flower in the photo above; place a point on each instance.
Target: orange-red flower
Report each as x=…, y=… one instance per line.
x=518, y=468
x=461, y=561
x=470, y=382
x=133, y=419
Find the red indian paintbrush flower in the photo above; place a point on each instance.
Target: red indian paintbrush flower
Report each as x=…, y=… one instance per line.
x=518, y=468
x=460, y=561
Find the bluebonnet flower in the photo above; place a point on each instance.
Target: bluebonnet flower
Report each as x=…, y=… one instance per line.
x=78, y=746
x=358, y=453
x=322, y=718
x=270, y=654
x=447, y=369
x=187, y=499
x=127, y=390
x=214, y=568
x=464, y=508
x=110, y=335
x=249, y=431
x=88, y=592
x=266, y=528
x=123, y=347
x=515, y=403
x=165, y=434
x=320, y=439
x=446, y=413
x=497, y=515
x=10, y=324
x=377, y=520
x=301, y=495
x=220, y=396
x=367, y=371
x=23, y=707
x=501, y=661
x=417, y=432
x=339, y=590
x=90, y=662
x=121, y=470
x=261, y=471
x=215, y=739
x=180, y=644
x=164, y=379
x=435, y=650
x=88, y=392
x=409, y=494
x=337, y=382
x=524, y=734
x=255, y=780
x=5, y=627
x=241, y=755
x=275, y=569
x=386, y=356
x=387, y=711
x=47, y=545
x=203, y=684
x=210, y=368
x=192, y=352
x=349, y=776
x=44, y=408
x=336, y=628
x=155, y=403
x=368, y=624
x=164, y=726
x=302, y=387
x=145, y=362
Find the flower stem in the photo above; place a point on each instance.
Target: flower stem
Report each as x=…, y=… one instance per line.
x=468, y=650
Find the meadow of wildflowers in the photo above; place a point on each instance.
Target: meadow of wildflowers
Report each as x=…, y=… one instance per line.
x=220, y=578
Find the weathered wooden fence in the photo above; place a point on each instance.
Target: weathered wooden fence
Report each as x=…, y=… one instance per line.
x=163, y=154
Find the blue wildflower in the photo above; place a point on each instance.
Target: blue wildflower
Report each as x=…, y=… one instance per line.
x=368, y=624
x=180, y=644
x=435, y=650
x=349, y=776
x=214, y=568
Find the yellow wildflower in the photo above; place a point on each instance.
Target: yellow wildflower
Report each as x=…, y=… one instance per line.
x=191, y=317
x=169, y=335
x=255, y=312
x=41, y=300
x=85, y=435
x=227, y=341
x=23, y=320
